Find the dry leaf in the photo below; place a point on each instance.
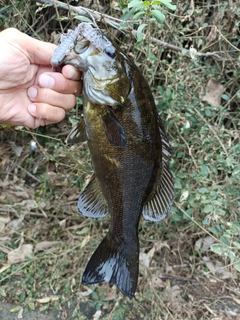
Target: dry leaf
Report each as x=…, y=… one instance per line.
x=145, y=258
x=47, y=299
x=20, y=254
x=85, y=293
x=110, y=292
x=41, y=246
x=156, y=282
x=3, y=221
x=174, y=291
x=20, y=314
x=16, y=224
x=97, y=315
x=214, y=90
x=5, y=267
x=203, y=244
x=212, y=34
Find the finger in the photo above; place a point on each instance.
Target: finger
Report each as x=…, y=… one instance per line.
x=49, y=96
x=71, y=73
x=59, y=83
x=46, y=113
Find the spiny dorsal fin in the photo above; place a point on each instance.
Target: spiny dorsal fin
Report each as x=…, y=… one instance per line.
x=78, y=133
x=91, y=202
x=161, y=198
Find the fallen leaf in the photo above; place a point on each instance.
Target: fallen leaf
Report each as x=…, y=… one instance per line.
x=145, y=258
x=174, y=291
x=85, y=293
x=47, y=299
x=3, y=221
x=20, y=254
x=214, y=90
x=97, y=315
x=203, y=244
x=16, y=224
x=18, y=150
x=41, y=246
x=110, y=292
x=20, y=314
x=5, y=267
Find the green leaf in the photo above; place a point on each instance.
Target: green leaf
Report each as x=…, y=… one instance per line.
x=214, y=230
x=128, y=14
x=138, y=15
x=232, y=256
x=84, y=230
x=204, y=171
x=167, y=4
x=203, y=190
x=3, y=293
x=158, y=15
x=140, y=33
x=135, y=4
x=82, y=18
x=208, y=113
x=236, y=244
x=22, y=296
x=237, y=266
x=225, y=97
x=224, y=240
x=208, y=208
x=218, y=248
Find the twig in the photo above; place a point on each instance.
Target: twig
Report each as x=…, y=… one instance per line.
x=115, y=23
x=176, y=278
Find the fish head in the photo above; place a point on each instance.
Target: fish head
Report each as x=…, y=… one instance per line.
x=103, y=66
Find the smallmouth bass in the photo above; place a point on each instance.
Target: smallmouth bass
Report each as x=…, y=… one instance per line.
x=129, y=150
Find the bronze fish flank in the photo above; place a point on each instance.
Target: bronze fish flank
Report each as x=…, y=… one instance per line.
x=129, y=150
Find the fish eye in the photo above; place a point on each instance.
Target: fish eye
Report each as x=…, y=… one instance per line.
x=110, y=51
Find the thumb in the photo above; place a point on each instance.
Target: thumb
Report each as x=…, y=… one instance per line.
x=38, y=52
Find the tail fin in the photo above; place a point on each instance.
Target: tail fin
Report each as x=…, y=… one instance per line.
x=116, y=262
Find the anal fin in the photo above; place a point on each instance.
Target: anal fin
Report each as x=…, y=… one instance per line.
x=91, y=202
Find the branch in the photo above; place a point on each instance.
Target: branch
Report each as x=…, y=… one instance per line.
x=115, y=23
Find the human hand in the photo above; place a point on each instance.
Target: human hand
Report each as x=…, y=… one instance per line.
x=30, y=94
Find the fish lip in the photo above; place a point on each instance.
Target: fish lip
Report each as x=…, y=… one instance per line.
x=75, y=60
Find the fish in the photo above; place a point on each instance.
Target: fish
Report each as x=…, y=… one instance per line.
x=129, y=149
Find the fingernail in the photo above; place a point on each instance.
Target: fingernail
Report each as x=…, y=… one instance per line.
x=46, y=81
x=73, y=74
x=32, y=92
x=32, y=108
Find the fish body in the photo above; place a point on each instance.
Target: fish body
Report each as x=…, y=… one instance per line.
x=129, y=150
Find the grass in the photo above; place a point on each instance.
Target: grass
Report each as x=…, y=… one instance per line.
x=39, y=189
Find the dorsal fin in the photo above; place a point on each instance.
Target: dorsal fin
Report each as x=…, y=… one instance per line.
x=91, y=202
x=160, y=200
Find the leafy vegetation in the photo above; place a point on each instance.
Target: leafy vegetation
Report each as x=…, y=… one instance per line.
x=191, y=60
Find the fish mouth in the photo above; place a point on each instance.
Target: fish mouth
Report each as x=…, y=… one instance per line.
x=76, y=60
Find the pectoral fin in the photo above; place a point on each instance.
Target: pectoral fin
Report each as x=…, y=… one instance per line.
x=77, y=134
x=113, y=129
x=160, y=200
x=91, y=202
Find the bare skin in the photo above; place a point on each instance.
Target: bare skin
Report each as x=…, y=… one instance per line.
x=30, y=94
